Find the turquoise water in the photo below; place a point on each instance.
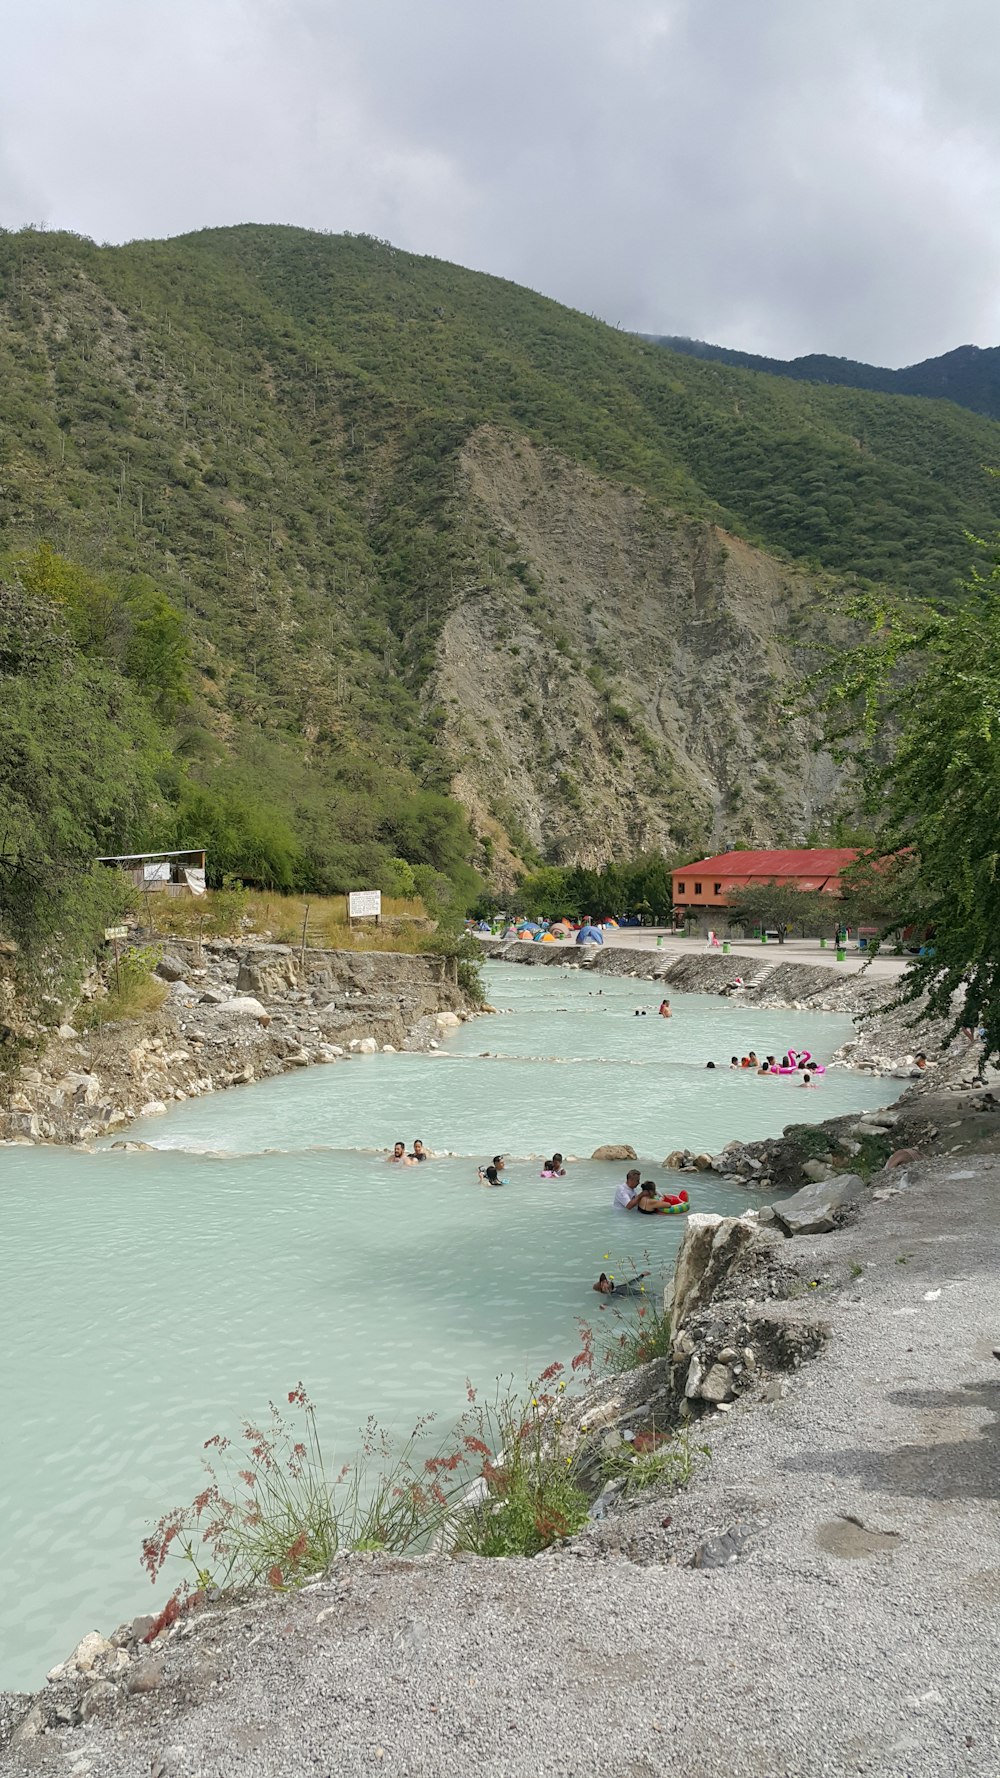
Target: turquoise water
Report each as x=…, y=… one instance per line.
x=149, y=1300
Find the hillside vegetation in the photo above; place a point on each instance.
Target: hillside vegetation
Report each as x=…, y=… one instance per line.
x=355, y=547
x=969, y=375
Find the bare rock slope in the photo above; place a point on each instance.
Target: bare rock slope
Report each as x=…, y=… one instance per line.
x=617, y=684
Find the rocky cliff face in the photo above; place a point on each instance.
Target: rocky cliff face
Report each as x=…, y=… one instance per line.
x=234, y=1013
x=617, y=685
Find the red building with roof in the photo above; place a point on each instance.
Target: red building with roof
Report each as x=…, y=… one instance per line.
x=707, y=885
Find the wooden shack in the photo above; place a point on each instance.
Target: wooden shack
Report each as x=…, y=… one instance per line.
x=162, y=873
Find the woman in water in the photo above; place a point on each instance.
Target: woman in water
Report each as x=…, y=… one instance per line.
x=418, y=1152
x=665, y=1012
x=648, y=1203
x=489, y=1176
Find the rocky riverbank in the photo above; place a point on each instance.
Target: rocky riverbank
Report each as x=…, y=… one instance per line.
x=818, y=1598
x=232, y=1013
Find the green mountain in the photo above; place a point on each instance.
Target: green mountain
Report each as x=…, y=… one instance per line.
x=969, y=375
x=411, y=563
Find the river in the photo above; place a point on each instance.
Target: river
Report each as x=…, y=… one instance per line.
x=150, y=1299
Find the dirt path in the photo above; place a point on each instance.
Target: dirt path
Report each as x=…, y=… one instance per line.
x=854, y=1631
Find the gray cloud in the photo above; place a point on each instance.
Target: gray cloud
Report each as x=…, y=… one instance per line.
x=780, y=176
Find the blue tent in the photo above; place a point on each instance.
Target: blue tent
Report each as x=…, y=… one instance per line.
x=589, y=935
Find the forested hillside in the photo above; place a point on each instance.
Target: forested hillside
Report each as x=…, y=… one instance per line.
x=354, y=531
x=969, y=376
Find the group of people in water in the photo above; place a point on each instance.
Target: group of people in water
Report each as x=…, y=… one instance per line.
x=400, y=1158
x=801, y=1066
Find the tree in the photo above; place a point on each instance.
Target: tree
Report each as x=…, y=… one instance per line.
x=930, y=679
x=779, y=906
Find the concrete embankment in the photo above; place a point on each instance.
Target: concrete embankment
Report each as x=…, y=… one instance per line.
x=822, y=1598
x=233, y=1013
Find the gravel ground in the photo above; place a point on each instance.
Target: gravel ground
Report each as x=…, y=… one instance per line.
x=856, y=1631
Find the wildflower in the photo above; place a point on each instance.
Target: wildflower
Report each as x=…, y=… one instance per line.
x=563, y=1384
x=275, y=1578
x=552, y=1371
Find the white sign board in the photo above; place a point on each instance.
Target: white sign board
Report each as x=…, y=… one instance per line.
x=364, y=904
x=111, y=932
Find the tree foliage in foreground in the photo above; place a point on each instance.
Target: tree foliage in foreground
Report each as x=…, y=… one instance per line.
x=929, y=680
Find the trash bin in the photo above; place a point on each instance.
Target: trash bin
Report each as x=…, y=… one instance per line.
x=725, y=947
x=763, y=938
x=822, y=944
x=841, y=954
x=659, y=938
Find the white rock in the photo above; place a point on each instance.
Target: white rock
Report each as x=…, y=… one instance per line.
x=447, y=1019
x=245, y=1006
x=89, y=1649
x=368, y=1046
x=154, y=1108
x=388, y=1049
x=716, y=1385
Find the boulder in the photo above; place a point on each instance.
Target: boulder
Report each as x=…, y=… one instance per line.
x=446, y=1019
x=902, y=1157
x=170, y=968
x=703, y=1162
x=675, y=1159
x=710, y=1247
x=368, y=1046
x=614, y=1151
x=817, y=1170
x=214, y=996
x=816, y=1209
x=153, y=1108
x=245, y=1006
x=271, y=974
x=717, y=1384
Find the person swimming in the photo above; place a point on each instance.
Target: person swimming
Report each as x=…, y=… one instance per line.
x=807, y=1080
x=399, y=1156
x=554, y=1168
x=607, y=1286
x=418, y=1152
x=489, y=1176
x=664, y=1010
x=709, y=1064
x=734, y=1061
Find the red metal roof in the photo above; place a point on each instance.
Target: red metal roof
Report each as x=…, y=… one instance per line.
x=819, y=862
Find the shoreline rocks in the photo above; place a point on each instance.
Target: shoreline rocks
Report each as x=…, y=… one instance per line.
x=234, y=1013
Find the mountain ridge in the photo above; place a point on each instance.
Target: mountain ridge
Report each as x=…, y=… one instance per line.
x=966, y=375
x=348, y=468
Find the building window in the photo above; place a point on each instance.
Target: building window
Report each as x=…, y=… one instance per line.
x=697, y=888
x=718, y=888
x=680, y=888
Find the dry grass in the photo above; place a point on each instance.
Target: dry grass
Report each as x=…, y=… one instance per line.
x=224, y=913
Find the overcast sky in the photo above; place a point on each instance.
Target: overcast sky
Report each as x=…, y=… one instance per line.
x=780, y=175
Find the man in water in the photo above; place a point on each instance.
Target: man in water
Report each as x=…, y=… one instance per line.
x=627, y=1195
x=629, y=1287
x=495, y=1169
x=399, y=1156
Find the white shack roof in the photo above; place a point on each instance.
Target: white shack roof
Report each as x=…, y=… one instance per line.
x=141, y=857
